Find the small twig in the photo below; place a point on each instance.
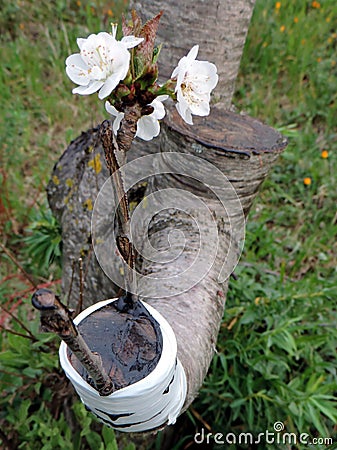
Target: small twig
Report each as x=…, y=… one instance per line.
x=110, y=147
x=123, y=241
x=22, y=325
x=16, y=262
x=15, y=373
x=8, y=330
x=56, y=318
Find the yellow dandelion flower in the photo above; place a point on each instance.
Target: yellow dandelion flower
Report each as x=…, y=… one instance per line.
x=319, y=60
x=277, y=5
x=78, y=3
x=316, y=5
x=295, y=19
x=328, y=19
x=110, y=13
x=325, y=154
x=282, y=28
x=307, y=181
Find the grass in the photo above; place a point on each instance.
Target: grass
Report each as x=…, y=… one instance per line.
x=276, y=357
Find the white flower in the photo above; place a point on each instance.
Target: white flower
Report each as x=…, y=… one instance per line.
x=101, y=64
x=195, y=81
x=147, y=126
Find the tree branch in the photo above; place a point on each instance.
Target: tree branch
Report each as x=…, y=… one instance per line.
x=123, y=241
x=56, y=318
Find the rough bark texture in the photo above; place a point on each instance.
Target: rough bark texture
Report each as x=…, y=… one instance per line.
x=74, y=185
x=244, y=150
x=219, y=27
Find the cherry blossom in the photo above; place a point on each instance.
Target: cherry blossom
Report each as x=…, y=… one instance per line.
x=195, y=81
x=101, y=64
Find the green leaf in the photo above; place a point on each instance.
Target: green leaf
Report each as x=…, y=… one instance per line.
x=94, y=440
x=139, y=67
x=109, y=438
x=130, y=446
x=248, y=317
x=156, y=53
x=237, y=402
x=111, y=446
x=31, y=372
x=327, y=408
x=315, y=417
x=23, y=410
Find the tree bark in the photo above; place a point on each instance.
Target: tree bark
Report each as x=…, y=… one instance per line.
x=72, y=190
x=241, y=148
x=244, y=150
x=219, y=27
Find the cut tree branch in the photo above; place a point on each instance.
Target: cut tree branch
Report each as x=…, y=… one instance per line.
x=56, y=318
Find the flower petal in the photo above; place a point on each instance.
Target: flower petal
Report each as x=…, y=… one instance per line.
x=117, y=114
x=192, y=54
x=117, y=122
x=161, y=98
x=204, y=76
x=80, y=42
x=76, y=60
x=184, y=112
x=111, y=109
x=108, y=86
x=159, y=109
x=131, y=41
x=92, y=87
x=201, y=108
x=77, y=70
x=147, y=128
x=106, y=37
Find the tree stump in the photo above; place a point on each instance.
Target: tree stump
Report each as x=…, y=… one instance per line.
x=242, y=148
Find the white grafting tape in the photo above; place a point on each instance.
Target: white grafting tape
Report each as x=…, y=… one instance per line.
x=149, y=403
